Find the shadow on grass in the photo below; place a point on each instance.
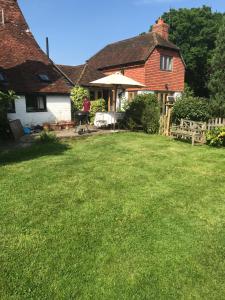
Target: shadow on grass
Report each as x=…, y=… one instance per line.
x=187, y=141
x=32, y=152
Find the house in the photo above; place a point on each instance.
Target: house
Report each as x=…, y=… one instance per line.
x=150, y=59
x=82, y=75
x=43, y=91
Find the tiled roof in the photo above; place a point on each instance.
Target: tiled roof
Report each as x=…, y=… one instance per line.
x=130, y=51
x=22, y=60
x=82, y=74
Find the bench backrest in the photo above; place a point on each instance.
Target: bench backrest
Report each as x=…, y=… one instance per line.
x=192, y=125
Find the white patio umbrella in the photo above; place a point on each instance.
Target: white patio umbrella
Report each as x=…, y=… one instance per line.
x=116, y=81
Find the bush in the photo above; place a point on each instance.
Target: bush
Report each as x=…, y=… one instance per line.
x=216, y=137
x=191, y=108
x=5, y=99
x=143, y=112
x=77, y=94
x=97, y=106
x=48, y=137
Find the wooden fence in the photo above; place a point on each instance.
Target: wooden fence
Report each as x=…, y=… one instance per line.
x=166, y=124
x=217, y=122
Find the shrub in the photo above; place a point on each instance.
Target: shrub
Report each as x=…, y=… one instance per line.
x=48, y=137
x=5, y=99
x=143, y=112
x=77, y=94
x=192, y=108
x=216, y=137
x=97, y=106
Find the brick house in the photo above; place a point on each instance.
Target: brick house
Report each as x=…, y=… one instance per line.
x=43, y=91
x=150, y=59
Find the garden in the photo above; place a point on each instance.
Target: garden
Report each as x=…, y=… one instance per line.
x=120, y=216
x=130, y=215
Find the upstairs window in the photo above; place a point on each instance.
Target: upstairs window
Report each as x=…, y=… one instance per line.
x=166, y=63
x=36, y=103
x=44, y=78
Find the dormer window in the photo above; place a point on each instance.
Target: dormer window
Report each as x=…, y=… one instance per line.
x=166, y=63
x=44, y=78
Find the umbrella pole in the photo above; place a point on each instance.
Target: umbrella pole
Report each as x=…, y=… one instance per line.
x=114, y=108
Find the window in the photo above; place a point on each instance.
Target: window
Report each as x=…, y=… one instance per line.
x=2, y=78
x=11, y=107
x=99, y=95
x=36, y=103
x=131, y=96
x=166, y=63
x=106, y=95
x=44, y=78
x=92, y=95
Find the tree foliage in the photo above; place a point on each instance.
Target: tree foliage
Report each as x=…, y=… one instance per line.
x=217, y=78
x=217, y=107
x=77, y=95
x=194, y=31
x=98, y=105
x=143, y=112
x=191, y=108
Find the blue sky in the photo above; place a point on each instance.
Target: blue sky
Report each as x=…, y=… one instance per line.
x=78, y=29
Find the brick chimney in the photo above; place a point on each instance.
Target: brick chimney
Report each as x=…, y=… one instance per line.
x=161, y=28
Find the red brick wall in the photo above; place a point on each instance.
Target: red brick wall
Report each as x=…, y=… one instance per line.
x=155, y=79
x=152, y=77
x=137, y=73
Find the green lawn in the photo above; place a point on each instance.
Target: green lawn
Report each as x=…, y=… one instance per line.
x=122, y=216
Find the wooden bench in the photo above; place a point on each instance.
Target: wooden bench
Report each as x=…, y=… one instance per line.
x=194, y=131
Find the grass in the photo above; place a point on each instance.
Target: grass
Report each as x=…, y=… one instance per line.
x=123, y=216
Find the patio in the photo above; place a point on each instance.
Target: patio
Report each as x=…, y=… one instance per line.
x=28, y=140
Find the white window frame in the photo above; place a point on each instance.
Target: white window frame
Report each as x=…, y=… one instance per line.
x=166, y=63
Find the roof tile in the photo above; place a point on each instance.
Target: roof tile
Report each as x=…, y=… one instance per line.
x=22, y=60
x=130, y=51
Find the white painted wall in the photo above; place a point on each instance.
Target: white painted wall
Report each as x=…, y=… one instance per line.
x=58, y=109
x=177, y=95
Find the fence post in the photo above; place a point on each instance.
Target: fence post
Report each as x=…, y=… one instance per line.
x=169, y=105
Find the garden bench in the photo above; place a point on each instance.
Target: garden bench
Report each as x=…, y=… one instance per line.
x=194, y=131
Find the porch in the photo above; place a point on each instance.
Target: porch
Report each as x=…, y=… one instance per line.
x=128, y=95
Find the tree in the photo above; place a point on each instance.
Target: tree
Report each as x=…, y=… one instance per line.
x=194, y=31
x=217, y=78
x=77, y=95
